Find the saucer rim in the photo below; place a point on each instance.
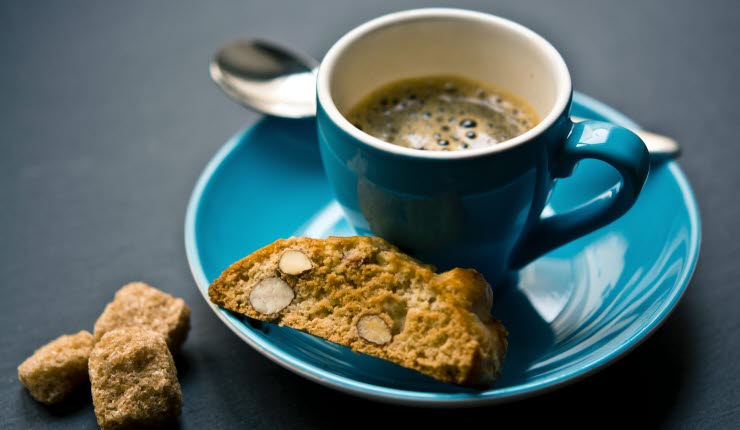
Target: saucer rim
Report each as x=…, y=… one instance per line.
x=428, y=399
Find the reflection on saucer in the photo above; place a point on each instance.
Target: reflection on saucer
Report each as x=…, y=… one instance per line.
x=329, y=221
x=562, y=287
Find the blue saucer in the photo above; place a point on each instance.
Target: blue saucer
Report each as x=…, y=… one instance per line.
x=569, y=313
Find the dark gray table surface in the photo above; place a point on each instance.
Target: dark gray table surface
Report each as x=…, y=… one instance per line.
x=107, y=117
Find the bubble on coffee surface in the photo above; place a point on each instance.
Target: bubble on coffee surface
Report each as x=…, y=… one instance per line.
x=442, y=113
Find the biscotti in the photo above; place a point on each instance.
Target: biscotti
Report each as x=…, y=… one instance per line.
x=133, y=380
x=363, y=293
x=58, y=368
x=141, y=305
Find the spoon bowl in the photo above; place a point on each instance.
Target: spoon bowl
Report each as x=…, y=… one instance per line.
x=266, y=77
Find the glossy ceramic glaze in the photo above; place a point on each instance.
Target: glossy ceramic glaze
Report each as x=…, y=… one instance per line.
x=570, y=312
x=480, y=207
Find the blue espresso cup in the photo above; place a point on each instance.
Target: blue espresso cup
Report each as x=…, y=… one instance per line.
x=481, y=208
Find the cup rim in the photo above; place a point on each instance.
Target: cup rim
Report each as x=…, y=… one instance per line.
x=326, y=69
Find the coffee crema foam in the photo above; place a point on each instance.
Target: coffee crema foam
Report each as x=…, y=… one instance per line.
x=442, y=113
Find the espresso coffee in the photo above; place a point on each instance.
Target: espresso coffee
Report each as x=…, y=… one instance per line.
x=442, y=113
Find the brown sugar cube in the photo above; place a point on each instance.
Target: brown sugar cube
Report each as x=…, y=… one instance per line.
x=133, y=380
x=56, y=369
x=138, y=304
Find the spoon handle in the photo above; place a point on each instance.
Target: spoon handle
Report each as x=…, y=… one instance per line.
x=661, y=148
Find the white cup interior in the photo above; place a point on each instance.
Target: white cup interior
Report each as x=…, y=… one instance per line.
x=427, y=42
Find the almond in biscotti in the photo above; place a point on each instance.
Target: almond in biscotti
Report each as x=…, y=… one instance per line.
x=363, y=293
x=373, y=329
x=294, y=262
x=271, y=295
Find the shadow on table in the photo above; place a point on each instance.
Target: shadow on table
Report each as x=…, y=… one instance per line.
x=75, y=411
x=77, y=401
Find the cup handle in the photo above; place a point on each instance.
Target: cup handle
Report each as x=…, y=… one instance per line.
x=615, y=145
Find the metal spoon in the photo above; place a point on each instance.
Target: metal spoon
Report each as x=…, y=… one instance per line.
x=274, y=80
x=267, y=78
